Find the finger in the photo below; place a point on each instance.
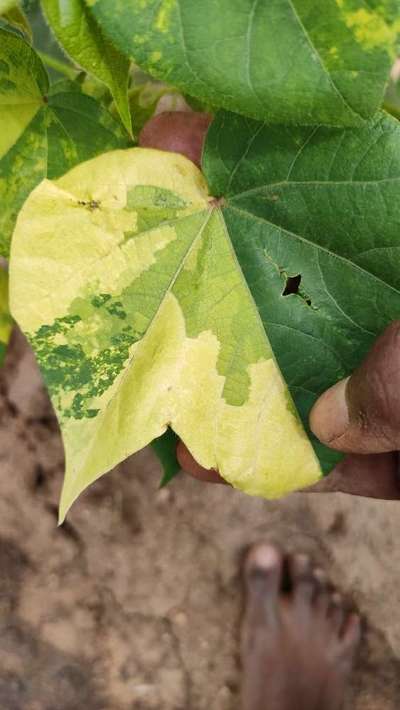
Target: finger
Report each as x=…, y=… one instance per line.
x=190, y=466
x=371, y=476
x=178, y=132
x=362, y=414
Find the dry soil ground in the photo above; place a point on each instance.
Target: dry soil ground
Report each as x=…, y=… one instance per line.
x=135, y=602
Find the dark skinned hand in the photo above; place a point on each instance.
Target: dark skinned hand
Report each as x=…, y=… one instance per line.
x=360, y=415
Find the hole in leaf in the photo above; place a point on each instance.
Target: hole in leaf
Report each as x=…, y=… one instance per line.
x=292, y=285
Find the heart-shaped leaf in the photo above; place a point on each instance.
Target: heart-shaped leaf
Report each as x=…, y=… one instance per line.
x=285, y=61
x=175, y=309
x=82, y=39
x=41, y=134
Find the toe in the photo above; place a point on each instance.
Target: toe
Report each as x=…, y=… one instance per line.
x=304, y=583
x=336, y=612
x=322, y=603
x=263, y=574
x=321, y=577
x=323, y=596
x=351, y=632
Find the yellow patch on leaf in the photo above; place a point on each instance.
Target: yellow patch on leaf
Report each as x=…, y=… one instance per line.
x=371, y=30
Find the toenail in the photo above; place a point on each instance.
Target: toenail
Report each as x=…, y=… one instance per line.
x=264, y=557
x=337, y=599
x=320, y=575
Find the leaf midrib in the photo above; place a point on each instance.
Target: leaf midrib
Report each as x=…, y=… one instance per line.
x=314, y=183
x=324, y=249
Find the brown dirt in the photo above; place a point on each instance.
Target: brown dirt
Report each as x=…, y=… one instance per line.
x=134, y=603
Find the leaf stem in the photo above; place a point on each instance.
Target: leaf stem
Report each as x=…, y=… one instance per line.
x=58, y=65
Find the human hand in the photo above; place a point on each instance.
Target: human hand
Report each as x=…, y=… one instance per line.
x=360, y=415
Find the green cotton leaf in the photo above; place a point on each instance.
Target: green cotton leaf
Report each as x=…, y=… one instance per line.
x=41, y=134
x=83, y=84
x=65, y=85
x=82, y=39
x=17, y=18
x=220, y=310
x=5, y=317
x=284, y=62
x=143, y=100
x=78, y=128
x=165, y=448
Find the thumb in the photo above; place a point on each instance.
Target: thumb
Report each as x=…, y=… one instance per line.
x=362, y=413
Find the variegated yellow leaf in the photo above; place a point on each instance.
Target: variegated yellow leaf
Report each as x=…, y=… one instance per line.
x=124, y=279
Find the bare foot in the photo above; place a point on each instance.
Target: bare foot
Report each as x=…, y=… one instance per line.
x=298, y=641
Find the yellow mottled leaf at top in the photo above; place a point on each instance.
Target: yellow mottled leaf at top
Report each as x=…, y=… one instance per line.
x=124, y=278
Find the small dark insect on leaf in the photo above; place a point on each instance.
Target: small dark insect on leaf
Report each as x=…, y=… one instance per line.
x=90, y=204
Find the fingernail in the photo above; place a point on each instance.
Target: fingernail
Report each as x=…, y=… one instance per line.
x=329, y=417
